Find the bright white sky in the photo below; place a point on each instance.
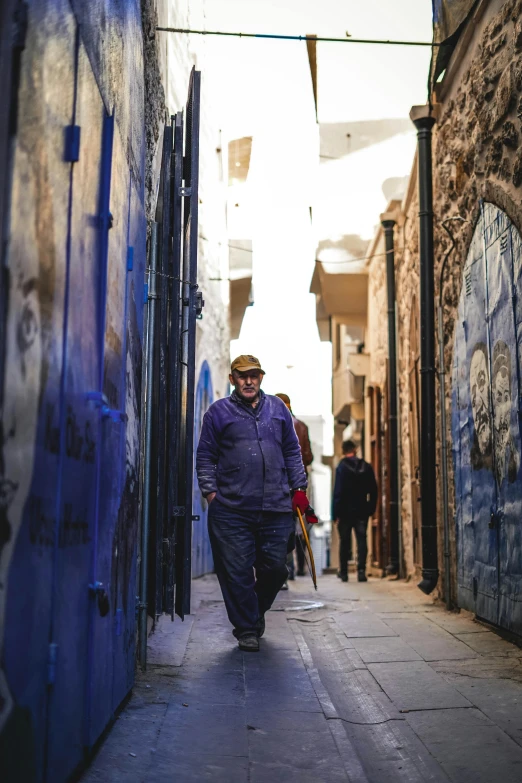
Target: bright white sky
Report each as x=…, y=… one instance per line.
x=264, y=90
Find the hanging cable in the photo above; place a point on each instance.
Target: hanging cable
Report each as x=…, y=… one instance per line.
x=378, y=42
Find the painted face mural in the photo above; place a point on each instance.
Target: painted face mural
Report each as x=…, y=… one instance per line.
x=21, y=386
x=506, y=457
x=479, y=394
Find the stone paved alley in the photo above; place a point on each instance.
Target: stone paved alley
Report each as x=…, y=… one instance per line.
x=378, y=684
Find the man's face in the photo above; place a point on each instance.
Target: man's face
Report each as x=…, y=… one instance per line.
x=502, y=405
x=247, y=384
x=478, y=381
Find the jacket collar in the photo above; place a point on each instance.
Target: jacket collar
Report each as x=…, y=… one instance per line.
x=253, y=411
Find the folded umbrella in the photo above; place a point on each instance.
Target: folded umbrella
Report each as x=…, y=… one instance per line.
x=311, y=562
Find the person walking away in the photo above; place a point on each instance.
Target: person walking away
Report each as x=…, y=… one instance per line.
x=250, y=470
x=307, y=456
x=354, y=501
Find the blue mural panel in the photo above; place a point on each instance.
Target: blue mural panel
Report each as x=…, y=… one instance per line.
x=70, y=420
x=485, y=423
x=202, y=562
x=36, y=263
x=78, y=426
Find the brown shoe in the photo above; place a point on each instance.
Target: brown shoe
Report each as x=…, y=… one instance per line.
x=248, y=642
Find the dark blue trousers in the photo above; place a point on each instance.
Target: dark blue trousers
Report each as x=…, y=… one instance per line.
x=249, y=549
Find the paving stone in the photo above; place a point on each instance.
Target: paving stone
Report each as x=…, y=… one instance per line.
x=210, y=729
x=499, y=700
x=455, y=623
x=363, y=623
x=416, y=686
x=168, y=643
x=180, y=766
x=294, y=757
x=482, y=668
x=429, y=640
x=470, y=748
x=285, y=720
x=379, y=650
x=488, y=643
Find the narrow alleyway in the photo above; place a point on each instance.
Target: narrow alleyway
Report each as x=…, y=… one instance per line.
x=376, y=684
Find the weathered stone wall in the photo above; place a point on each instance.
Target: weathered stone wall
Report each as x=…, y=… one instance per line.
x=377, y=337
x=407, y=288
x=476, y=155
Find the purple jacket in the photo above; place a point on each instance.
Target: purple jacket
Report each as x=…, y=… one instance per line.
x=250, y=456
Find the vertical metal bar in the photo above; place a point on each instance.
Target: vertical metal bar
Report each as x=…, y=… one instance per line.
x=105, y=224
x=151, y=328
x=192, y=237
x=393, y=551
x=173, y=360
x=188, y=350
x=163, y=286
x=430, y=570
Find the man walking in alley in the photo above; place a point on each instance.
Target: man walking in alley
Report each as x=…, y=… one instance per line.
x=355, y=500
x=249, y=468
x=303, y=437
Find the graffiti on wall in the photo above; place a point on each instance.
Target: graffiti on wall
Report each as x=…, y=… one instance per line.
x=486, y=423
x=69, y=473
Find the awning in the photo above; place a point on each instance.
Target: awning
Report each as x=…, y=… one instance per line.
x=341, y=290
x=449, y=20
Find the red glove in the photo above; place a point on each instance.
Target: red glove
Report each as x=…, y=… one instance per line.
x=299, y=501
x=311, y=516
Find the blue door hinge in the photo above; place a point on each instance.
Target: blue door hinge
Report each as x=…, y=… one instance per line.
x=72, y=144
x=130, y=259
x=101, y=402
x=52, y=657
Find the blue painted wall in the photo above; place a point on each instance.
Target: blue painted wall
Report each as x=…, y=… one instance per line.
x=202, y=562
x=69, y=500
x=486, y=423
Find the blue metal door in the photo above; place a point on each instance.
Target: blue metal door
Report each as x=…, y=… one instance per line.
x=78, y=418
x=485, y=423
x=202, y=562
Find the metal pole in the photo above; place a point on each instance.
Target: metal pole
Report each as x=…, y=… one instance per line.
x=151, y=323
x=424, y=122
x=442, y=387
x=388, y=224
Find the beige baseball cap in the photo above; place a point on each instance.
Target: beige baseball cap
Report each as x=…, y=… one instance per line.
x=246, y=362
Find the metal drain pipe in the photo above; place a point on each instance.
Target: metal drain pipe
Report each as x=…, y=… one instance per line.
x=388, y=221
x=145, y=523
x=442, y=388
x=424, y=121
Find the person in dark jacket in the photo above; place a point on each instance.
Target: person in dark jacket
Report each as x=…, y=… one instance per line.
x=303, y=436
x=354, y=501
x=250, y=470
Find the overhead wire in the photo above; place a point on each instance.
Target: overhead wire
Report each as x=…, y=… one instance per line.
x=314, y=38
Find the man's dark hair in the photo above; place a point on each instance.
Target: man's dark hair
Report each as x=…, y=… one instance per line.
x=349, y=446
